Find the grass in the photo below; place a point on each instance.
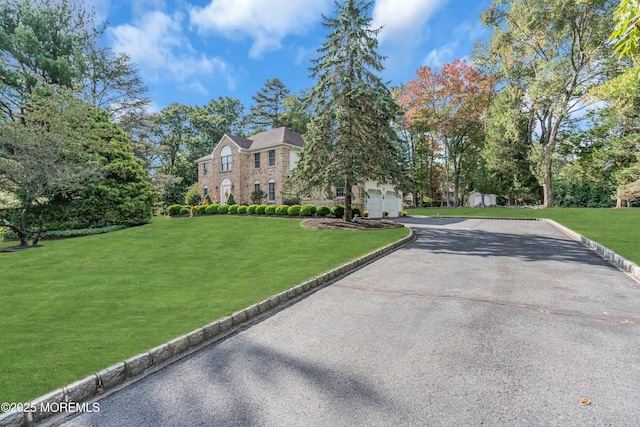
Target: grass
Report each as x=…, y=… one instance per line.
x=617, y=229
x=76, y=306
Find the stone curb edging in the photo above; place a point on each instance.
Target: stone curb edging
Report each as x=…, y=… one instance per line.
x=137, y=367
x=606, y=253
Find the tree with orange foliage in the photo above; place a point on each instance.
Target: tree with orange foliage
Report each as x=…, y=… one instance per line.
x=448, y=105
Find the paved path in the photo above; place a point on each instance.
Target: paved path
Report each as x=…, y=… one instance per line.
x=478, y=322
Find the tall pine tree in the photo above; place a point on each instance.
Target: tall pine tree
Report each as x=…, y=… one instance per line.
x=269, y=106
x=350, y=139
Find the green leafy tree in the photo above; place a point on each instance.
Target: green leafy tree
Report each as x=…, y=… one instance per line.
x=210, y=122
x=42, y=154
x=506, y=147
x=121, y=196
x=269, y=106
x=350, y=138
x=297, y=114
x=555, y=50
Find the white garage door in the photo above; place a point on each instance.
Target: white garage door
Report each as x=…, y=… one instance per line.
x=391, y=203
x=374, y=203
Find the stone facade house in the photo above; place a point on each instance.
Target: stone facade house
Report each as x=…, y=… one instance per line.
x=263, y=161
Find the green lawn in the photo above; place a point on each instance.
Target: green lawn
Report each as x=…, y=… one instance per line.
x=76, y=306
x=617, y=229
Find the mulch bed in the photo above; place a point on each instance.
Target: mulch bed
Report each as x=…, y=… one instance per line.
x=339, y=224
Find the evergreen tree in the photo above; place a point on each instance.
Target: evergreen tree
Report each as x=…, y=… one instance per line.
x=269, y=106
x=350, y=138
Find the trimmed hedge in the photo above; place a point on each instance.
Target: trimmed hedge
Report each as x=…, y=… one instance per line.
x=323, y=210
x=202, y=209
x=174, y=209
x=337, y=211
x=294, y=210
x=212, y=209
x=233, y=209
x=282, y=210
x=308, y=210
x=270, y=210
x=251, y=209
x=242, y=209
x=260, y=209
x=223, y=209
x=355, y=211
x=184, y=211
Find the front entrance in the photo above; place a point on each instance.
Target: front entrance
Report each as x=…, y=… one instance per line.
x=225, y=190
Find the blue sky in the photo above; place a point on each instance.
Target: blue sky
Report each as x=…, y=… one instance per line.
x=193, y=51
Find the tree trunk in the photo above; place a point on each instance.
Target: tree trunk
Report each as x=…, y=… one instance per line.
x=348, y=215
x=22, y=232
x=547, y=174
x=40, y=227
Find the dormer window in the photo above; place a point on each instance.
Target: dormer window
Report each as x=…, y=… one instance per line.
x=225, y=159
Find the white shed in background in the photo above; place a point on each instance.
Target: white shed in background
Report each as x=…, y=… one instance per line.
x=475, y=199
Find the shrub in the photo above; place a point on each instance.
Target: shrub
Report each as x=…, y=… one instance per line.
x=192, y=197
x=291, y=201
x=355, y=210
x=282, y=210
x=207, y=199
x=365, y=213
x=323, y=210
x=184, y=211
x=260, y=209
x=212, y=209
x=337, y=211
x=270, y=210
x=193, y=211
x=202, y=209
x=257, y=196
x=233, y=209
x=251, y=209
x=242, y=209
x=307, y=210
x=174, y=209
x=230, y=200
x=223, y=209
x=294, y=210
x=63, y=234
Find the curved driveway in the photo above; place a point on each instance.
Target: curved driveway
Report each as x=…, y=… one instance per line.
x=478, y=322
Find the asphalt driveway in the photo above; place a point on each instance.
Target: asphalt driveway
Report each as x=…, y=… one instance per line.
x=478, y=322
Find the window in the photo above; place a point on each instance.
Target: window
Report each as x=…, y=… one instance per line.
x=256, y=160
x=256, y=186
x=225, y=159
x=272, y=158
x=272, y=191
x=340, y=192
x=205, y=191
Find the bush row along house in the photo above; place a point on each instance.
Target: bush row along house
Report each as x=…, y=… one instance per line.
x=263, y=161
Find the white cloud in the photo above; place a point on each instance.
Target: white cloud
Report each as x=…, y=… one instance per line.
x=402, y=21
x=267, y=22
x=157, y=44
x=438, y=57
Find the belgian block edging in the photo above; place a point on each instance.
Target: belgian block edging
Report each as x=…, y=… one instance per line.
x=137, y=367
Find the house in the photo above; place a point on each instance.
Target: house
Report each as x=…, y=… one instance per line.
x=263, y=161
x=476, y=199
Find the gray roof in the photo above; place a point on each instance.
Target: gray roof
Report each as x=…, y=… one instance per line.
x=262, y=140
x=275, y=137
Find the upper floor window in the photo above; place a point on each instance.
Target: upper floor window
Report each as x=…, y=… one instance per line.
x=205, y=169
x=340, y=192
x=256, y=160
x=225, y=159
x=272, y=157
